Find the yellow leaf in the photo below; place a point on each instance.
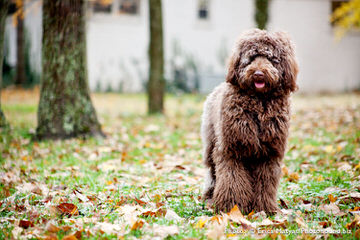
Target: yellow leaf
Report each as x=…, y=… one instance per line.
x=332, y=198
x=231, y=235
x=329, y=149
x=357, y=166
x=109, y=182
x=294, y=177
x=339, y=148
x=320, y=178
x=252, y=213
x=201, y=223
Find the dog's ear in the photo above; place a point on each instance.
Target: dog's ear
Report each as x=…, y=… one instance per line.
x=291, y=70
x=290, y=65
x=232, y=74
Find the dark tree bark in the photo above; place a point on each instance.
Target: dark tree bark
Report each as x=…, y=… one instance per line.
x=156, y=82
x=4, y=4
x=261, y=13
x=20, y=77
x=65, y=108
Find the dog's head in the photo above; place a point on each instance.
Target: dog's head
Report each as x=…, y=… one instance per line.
x=263, y=63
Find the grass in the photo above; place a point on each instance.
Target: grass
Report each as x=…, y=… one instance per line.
x=144, y=180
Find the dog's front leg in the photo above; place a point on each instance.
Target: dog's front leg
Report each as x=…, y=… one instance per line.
x=233, y=186
x=266, y=180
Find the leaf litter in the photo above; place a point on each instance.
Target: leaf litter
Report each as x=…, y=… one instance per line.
x=144, y=180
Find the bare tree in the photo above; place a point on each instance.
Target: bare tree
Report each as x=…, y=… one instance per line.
x=4, y=4
x=261, y=13
x=65, y=108
x=156, y=83
x=20, y=76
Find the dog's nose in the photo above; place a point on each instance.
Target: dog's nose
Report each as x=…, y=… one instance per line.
x=258, y=74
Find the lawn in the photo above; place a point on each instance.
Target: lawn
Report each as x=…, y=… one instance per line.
x=145, y=179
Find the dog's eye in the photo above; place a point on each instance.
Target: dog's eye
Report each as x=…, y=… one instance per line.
x=275, y=60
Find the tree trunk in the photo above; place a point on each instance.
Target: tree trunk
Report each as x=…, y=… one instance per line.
x=156, y=82
x=20, y=77
x=3, y=12
x=65, y=108
x=261, y=13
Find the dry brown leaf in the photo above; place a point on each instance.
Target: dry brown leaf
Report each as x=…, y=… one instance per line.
x=158, y=213
x=67, y=209
x=332, y=208
x=50, y=227
x=165, y=231
x=283, y=204
x=69, y=237
x=217, y=228
x=25, y=224
x=357, y=234
x=171, y=215
x=354, y=223
x=51, y=237
x=293, y=177
x=78, y=234
x=300, y=222
x=332, y=198
x=109, y=228
x=140, y=202
x=236, y=216
x=325, y=224
x=353, y=197
x=137, y=225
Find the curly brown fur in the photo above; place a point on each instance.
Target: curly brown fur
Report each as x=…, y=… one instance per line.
x=245, y=123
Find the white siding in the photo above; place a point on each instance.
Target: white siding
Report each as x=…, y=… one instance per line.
x=117, y=44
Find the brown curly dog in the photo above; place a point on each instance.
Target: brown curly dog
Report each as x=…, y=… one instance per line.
x=245, y=123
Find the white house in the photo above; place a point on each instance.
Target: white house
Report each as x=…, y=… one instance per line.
x=199, y=35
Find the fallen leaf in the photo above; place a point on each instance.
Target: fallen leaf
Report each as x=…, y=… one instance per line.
x=158, y=213
x=25, y=224
x=293, y=177
x=354, y=223
x=201, y=222
x=69, y=237
x=16, y=232
x=283, y=204
x=332, y=198
x=171, y=215
x=236, y=216
x=217, y=228
x=357, y=234
x=332, y=208
x=50, y=227
x=67, y=209
x=137, y=224
x=51, y=237
x=140, y=202
x=300, y=222
x=165, y=231
x=325, y=224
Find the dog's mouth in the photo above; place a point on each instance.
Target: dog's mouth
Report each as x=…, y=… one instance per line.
x=259, y=84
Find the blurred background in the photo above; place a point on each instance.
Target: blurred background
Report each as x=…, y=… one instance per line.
x=138, y=71
x=198, y=37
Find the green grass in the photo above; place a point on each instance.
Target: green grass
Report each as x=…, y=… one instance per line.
x=157, y=160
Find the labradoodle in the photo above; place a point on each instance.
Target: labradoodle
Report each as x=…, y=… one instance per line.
x=245, y=123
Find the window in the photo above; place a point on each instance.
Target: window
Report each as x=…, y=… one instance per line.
x=102, y=6
x=129, y=6
x=203, y=9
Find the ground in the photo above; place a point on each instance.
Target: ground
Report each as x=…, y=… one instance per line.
x=145, y=179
